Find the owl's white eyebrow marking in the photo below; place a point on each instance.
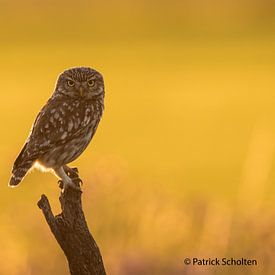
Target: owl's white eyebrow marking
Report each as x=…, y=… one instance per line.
x=64, y=135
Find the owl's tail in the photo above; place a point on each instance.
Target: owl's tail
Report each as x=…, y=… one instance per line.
x=18, y=173
x=22, y=165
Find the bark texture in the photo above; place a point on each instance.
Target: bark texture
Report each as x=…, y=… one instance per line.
x=72, y=234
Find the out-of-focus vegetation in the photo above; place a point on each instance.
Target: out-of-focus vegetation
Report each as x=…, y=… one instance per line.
x=183, y=161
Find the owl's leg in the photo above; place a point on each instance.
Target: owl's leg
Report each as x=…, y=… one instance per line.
x=66, y=180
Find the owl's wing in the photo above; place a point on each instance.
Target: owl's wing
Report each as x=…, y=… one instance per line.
x=43, y=136
x=21, y=156
x=27, y=153
x=57, y=123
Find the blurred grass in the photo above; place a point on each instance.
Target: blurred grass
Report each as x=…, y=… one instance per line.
x=182, y=163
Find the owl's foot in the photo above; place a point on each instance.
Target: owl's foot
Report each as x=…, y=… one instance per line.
x=71, y=172
x=77, y=182
x=75, y=169
x=68, y=176
x=60, y=184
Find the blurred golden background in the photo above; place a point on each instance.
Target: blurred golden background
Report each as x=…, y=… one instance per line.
x=182, y=164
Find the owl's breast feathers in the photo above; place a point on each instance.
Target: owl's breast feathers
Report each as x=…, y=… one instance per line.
x=59, y=122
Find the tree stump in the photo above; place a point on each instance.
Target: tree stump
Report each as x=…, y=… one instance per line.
x=71, y=231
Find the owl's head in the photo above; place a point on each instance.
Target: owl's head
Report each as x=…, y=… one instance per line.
x=81, y=83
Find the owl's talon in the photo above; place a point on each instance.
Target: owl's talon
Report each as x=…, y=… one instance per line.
x=61, y=184
x=77, y=182
x=75, y=169
x=71, y=172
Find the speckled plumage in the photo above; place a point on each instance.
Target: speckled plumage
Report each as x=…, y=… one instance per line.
x=65, y=125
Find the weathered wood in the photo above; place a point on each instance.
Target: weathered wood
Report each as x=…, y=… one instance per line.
x=72, y=234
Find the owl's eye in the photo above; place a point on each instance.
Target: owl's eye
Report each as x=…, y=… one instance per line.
x=91, y=82
x=70, y=83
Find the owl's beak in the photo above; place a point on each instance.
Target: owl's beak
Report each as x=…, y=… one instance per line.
x=81, y=91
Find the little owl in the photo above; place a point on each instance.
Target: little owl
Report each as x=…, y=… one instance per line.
x=64, y=127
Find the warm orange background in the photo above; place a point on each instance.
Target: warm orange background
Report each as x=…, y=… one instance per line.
x=183, y=160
